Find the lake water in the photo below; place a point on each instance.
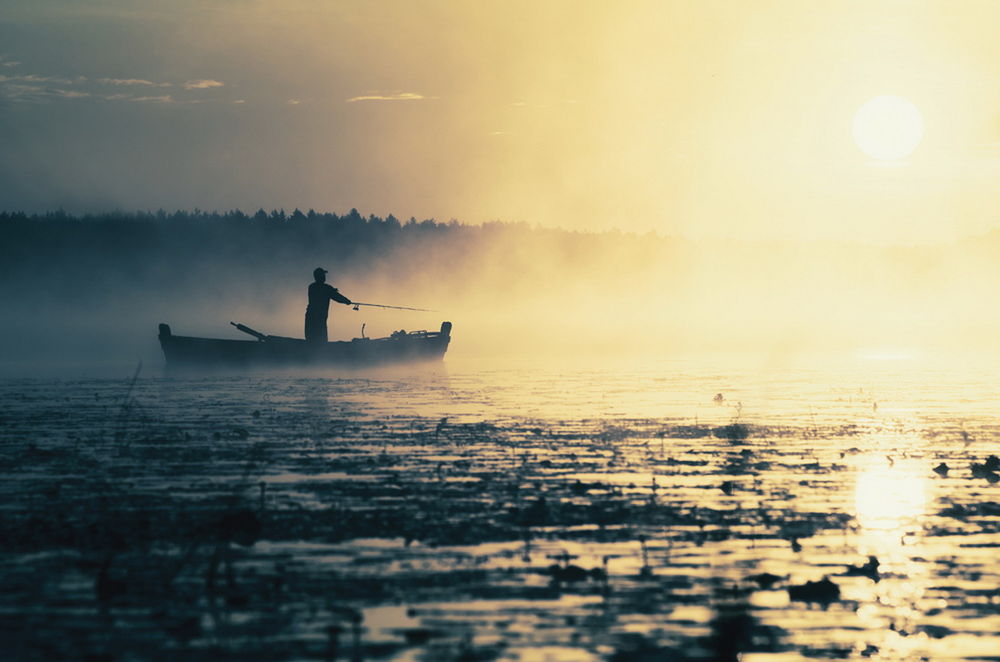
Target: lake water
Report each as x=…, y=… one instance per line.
x=521, y=511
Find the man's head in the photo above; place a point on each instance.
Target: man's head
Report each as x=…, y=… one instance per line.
x=319, y=274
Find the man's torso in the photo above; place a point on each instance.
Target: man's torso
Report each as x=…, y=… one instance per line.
x=319, y=299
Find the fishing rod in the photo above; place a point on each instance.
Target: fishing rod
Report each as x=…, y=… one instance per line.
x=356, y=305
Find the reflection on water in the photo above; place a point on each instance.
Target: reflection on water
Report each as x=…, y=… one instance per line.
x=514, y=513
x=891, y=505
x=890, y=498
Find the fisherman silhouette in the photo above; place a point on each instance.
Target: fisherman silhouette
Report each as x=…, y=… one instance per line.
x=320, y=294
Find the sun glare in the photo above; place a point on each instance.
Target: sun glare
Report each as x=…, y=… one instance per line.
x=890, y=497
x=888, y=128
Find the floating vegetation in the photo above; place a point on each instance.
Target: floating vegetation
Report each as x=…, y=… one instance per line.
x=990, y=469
x=206, y=519
x=734, y=432
x=822, y=592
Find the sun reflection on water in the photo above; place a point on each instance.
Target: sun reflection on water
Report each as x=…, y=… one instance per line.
x=891, y=499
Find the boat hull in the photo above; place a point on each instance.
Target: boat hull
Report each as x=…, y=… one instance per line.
x=275, y=350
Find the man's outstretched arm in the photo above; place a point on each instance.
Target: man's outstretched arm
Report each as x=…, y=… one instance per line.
x=338, y=297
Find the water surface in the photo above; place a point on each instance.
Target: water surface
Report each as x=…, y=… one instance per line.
x=522, y=511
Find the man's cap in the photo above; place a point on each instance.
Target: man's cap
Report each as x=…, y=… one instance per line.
x=317, y=271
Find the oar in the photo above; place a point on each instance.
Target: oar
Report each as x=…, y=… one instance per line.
x=380, y=305
x=246, y=329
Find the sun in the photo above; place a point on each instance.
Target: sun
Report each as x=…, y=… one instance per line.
x=888, y=128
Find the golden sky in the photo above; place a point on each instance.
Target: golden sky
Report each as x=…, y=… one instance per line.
x=703, y=119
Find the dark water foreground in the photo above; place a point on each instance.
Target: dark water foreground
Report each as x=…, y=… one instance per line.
x=489, y=517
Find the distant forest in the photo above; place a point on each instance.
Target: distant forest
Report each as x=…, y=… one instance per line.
x=71, y=256
x=112, y=277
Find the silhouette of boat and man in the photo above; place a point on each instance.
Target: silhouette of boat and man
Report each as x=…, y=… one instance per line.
x=316, y=349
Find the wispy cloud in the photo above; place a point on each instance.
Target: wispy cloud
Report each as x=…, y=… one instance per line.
x=131, y=81
x=32, y=78
x=165, y=98
x=20, y=92
x=202, y=84
x=71, y=94
x=25, y=87
x=294, y=102
x=396, y=96
x=39, y=89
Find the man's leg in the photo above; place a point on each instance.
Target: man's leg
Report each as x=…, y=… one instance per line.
x=316, y=330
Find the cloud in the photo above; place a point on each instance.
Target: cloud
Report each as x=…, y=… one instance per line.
x=25, y=89
x=397, y=96
x=4, y=62
x=71, y=94
x=294, y=102
x=18, y=92
x=32, y=78
x=36, y=88
x=202, y=84
x=165, y=98
x=131, y=81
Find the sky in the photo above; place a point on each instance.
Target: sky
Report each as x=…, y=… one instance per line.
x=703, y=119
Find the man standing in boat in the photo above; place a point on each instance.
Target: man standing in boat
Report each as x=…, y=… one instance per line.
x=320, y=294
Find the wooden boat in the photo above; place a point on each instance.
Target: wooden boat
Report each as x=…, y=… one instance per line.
x=400, y=347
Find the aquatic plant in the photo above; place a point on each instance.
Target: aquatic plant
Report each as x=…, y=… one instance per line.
x=822, y=592
x=869, y=570
x=988, y=469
